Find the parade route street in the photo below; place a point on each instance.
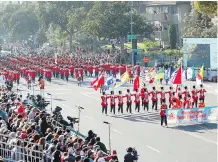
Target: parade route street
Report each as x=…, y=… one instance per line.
x=196, y=143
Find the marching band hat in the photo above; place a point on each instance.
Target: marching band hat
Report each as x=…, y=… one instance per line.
x=194, y=87
x=171, y=87
x=112, y=92
x=103, y=93
x=186, y=87
x=201, y=85
x=153, y=88
x=161, y=87
x=120, y=92
x=128, y=90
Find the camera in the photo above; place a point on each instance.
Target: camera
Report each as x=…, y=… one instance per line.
x=73, y=120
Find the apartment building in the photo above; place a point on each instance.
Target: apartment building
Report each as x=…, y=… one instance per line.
x=164, y=13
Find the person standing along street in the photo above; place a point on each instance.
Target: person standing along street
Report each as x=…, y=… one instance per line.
x=194, y=97
x=145, y=100
x=154, y=98
x=120, y=102
x=163, y=113
x=137, y=100
x=104, y=104
x=201, y=91
x=129, y=101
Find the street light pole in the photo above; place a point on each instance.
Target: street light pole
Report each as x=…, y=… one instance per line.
x=109, y=128
x=131, y=30
x=79, y=109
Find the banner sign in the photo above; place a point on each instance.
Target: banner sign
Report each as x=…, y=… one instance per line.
x=193, y=115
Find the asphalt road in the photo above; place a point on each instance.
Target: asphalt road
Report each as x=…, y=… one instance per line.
x=196, y=143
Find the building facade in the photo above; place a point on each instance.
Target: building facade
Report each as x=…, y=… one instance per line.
x=162, y=14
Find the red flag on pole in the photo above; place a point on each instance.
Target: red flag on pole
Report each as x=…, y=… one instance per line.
x=97, y=82
x=136, y=83
x=178, y=77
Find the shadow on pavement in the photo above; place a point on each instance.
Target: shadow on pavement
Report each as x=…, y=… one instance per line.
x=199, y=128
x=153, y=118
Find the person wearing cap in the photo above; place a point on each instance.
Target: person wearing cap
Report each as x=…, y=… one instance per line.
x=194, y=96
x=170, y=92
x=120, y=102
x=163, y=113
x=201, y=91
x=112, y=101
x=104, y=104
x=129, y=101
x=201, y=104
x=162, y=95
x=185, y=93
x=154, y=98
x=137, y=100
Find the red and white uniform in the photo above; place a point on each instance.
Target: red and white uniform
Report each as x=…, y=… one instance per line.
x=112, y=100
x=170, y=94
x=128, y=98
x=194, y=95
x=120, y=99
x=145, y=97
x=188, y=103
x=162, y=95
x=153, y=95
x=137, y=98
x=201, y=92
x=104, y=100
x=186, y=93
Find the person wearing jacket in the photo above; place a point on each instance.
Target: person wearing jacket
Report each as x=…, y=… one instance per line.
x=130, y=156
x=100, y=144
x=163, y=113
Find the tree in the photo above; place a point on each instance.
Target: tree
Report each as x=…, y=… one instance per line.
x=59, y=13
x=206, y=7
x=172, y=36
x=199, y=25
x=112, y=20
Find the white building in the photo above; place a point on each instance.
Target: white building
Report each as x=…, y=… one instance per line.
x=164, y=13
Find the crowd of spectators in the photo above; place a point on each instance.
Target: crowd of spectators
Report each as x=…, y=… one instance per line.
x=27, y=134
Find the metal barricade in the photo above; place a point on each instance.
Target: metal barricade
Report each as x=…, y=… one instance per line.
x=14, y=150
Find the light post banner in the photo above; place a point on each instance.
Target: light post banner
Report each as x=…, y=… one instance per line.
x=193, y=115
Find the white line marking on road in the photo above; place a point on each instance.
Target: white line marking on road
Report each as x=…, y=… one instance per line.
x=153, y=149
x=117, y=131
x=89, y=117
x=199, y=137
x=90, y=96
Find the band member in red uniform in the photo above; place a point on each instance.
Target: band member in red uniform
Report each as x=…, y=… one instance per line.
x=82, y=73
x=66, y=73
x=194, y=97
x=162, y=95
x=154, y=98
x=104, y=103
x=112, y=102
x=201, y=91
x=188, y=102
x=179, y=93
x=71, y=71
x=129, y=101
x=120, y=102
x=170, y=92
x=90, y=70
x=145, y=100
x=163, y=113
x=142, y=95
x=137, y=100
x=186, y=93
x=28, y=79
